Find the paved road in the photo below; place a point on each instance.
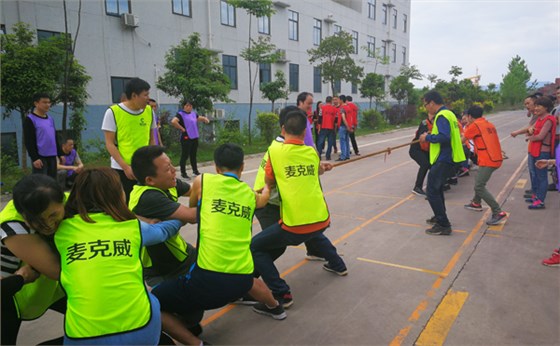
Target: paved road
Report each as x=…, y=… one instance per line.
x=479, y=286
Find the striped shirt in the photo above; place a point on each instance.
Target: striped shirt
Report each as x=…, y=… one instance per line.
x=11, y=263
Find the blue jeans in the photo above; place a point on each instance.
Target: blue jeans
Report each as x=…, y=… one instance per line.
x=265, y=244
x=437, y=178
x=344, y=143
x=539, y=177
x=327, y=134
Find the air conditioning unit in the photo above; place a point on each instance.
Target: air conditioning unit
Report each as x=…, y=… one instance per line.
x=130, y=20
x=219, y=113
x=282, y=58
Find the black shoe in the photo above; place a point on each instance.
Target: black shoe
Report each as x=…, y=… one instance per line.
x=285, y=299
x=418, y=191
x=185, y=176
x=196, y=173
x=339, y=272
x=196, y=330
x=446, y=187
x=452, y=181
x=277, y=312
x=328, y=158
x=529, y=192
x=431, y=221
x=339, y=159
x=552, y=187
x=439, y=230
x=358, y=154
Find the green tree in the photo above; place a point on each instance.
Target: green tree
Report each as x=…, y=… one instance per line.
x=432, y=78
x=275, y=90
x=257, y=52
x=455, y=72
x=28, y=68
x=194, y=73
x=400, y=88
x=377, y=57
x=333, y=58
x=514, y=84
x=373, y=87
x=411, y=72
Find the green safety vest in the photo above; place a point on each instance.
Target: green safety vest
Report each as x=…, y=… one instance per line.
x=259, y=179
x=176, y=245
x=296, y=170
x=34, y=299
x=456, y=145
x=224, y=229
x=133, y=130
x=101, y=273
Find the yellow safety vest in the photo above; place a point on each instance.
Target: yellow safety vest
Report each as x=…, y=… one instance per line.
x=456, y=145
x=133, y=130
x=260, y=181
x=101, y=273
x=224, y=229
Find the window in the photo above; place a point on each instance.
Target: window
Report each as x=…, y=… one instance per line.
x=293, y=25
x=395, y=16
x=317, y=31
x=355, y=41
x=117, y=7
x=227, y=13
x=317, y=81
x=384, y=49
x=264, y=25
x=404, y=55
x=294, y=77
x=117, y=88
x=182, y=7
x=384, y=10
x=394, y=52
x=337, y=86
x=371, y=9
x=265, y=73
x=354, y=88
x=405, y=22
x=337, y=28
x=3, y=29
x=229, y=62
x=371, y=47
x=43, y=35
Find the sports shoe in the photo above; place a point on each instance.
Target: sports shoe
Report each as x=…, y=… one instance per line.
x=341, y=272
x=529, y=191
x=452, y=181
x=446, y=187
x=530, y=200
x=439, y=230
x=277, y=312
x=537, y=204
x=556, y=251
x=196, y=173
x=185, y=176
x=473, y=206
x=553, y=261
x=528, y=195
x=431, y=221
x=418, y=191
x=310, y=257
x=286, y=300
x=497, y=219
x=247, y=299
x=464, y=172
x=552, y=187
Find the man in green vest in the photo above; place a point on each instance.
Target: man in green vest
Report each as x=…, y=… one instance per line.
x=446, y=149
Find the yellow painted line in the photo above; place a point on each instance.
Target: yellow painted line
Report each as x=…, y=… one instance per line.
x=415, y=225
x=500, y=227
x=442, y=320
x=411, y=225
x=415, y=315
x=521, y=184
x=359, y=218
x=385, y=221
x=493, y=235
x=402, y=266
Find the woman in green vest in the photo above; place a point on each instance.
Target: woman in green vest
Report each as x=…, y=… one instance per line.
x=28, y=223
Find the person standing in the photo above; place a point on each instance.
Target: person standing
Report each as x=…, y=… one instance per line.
x=186, y=121
x=69, y=165
x=317, y=115
x=155, y=131
x=489, y=151
x=128, y=126
x=419, y=152
x=327, y=127
x=343, y=129
x=304, y=102
x=446, y=149
x=352, y=111
x=40, y=137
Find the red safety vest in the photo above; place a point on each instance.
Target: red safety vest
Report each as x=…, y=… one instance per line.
x=535, y=147
x=426, y=145
x=487, y=144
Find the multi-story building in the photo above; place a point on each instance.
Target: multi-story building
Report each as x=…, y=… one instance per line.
x=121, y=39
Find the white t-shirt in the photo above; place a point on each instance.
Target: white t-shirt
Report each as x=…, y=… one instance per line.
x=110, y=125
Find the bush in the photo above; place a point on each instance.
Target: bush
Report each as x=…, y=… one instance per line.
x=169, y=135
x=11, y=173
x=228, y=131
x=400, y=114
x=267, y=123
x=372, y=119
x=458, y=107
x=488, y=106
x=94, y=150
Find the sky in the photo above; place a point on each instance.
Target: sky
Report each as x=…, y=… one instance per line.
x=485, y=34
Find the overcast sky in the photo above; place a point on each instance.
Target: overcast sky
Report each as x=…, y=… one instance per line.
x=486, y=34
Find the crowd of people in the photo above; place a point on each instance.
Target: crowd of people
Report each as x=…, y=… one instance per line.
x=109, y=255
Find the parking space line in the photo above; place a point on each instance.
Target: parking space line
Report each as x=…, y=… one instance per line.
x=521, y=184
x=493, y=235
x=402, y=266
x=441, y=322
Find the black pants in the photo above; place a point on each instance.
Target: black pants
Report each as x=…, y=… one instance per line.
x=353, y=140
x=189, y=147
x=127, y=184
x=422, y=158
x=49, y=166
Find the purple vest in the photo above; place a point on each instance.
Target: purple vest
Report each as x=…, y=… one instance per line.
x=69, y=160
x=156, y=129
x=189, y=120
x=46, y=135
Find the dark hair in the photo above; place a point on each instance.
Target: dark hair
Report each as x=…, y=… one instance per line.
x=296, y=123
x=185, y=102
x=284, y=112
x=349, y=98
x=152, y=100
x=545, y=102
x=135, y=86
x=475, y=111
x=39, y=96
x=98, y=190
x=229, y=156
x=318, y=104
x=302, y=97
x=342, y=98
x=32, y=196
x=65, y=140
x=142, y=162
x=328, y=99
x=434, y=96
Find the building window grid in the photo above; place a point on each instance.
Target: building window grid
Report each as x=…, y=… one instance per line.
x=3, y=29
x=371, y=47
x=294, y=77
x=395, y=18
x=117, y=87
x=405, y=22
x=227, y=14
x=384, y=49
x=337, y=29
x=181, y=7
x=355, y=41
x=354, y=88
x=317, y=31
x=117, y=7
x=317, y=80
x=293, y=25
x=394, y=52
x=384, y=10
x=229, y=63
x=264, y=25
x=338, y=86
x=265, y=73
x=371, y=9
